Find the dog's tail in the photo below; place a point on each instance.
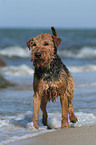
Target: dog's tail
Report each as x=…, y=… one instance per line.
x=54, y=31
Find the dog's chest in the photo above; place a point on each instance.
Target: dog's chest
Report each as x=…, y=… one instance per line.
x=51, y=88
x=48, y=75
x=51, y=76
x=51, y=93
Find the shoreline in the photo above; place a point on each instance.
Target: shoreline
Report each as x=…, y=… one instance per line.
x=84, y=135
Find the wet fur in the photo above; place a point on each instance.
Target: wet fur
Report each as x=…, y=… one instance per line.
x=51, y=78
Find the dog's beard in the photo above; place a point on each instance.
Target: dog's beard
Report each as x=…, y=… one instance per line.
x=40, y=63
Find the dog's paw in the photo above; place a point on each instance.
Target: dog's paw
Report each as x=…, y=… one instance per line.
x=65, y=125
x=73, y=118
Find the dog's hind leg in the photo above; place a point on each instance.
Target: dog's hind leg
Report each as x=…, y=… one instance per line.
x=43, y=108
x=64, y=104
x=72, y=116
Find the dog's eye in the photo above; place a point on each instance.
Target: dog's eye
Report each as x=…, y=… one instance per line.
x=34, y=44
x=45, y=44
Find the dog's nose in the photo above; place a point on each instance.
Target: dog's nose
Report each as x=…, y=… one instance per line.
x=38, y=54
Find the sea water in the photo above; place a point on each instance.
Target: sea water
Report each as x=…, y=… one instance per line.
x=77, y=51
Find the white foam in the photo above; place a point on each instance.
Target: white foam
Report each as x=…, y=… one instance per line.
x=54, y=120
x=66, y=53
x=82, y=68
x=15, y=52
x=16, y=70
x=84, y=52
x=87, y=52
x=85, y=119
x=4, y=123
x=22, y=125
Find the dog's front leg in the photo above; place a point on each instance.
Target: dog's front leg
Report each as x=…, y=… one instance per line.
x=64, y=104
x=36, y=107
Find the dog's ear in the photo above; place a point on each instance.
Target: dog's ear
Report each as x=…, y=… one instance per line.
x=56, y=41
x=54, y=31
x=30, y=43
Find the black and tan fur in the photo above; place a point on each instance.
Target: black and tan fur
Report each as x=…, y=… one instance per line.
x=52, y=79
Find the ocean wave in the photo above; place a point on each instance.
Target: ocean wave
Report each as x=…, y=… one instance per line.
x=54, y=120
x=85, y=52
x=15, y=52
x=86, y=68
x=27, y=70
x=16, y=70
x=21, y=126
x=86, y=85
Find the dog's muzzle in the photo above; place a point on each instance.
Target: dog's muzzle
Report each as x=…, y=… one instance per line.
x=38, y=54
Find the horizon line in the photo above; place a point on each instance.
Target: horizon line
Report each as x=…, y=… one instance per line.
x=42, y=27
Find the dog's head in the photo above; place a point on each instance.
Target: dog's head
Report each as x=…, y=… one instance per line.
x=44, y=48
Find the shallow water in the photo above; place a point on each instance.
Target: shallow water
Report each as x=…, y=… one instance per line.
x=16, y=107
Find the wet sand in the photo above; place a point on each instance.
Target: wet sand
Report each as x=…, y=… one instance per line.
x=85, y=135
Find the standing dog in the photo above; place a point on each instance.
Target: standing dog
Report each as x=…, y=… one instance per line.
x=51, y=78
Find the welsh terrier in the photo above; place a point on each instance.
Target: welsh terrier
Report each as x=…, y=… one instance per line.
x=51, y=78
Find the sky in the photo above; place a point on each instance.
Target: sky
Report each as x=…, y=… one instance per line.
x=47, y=13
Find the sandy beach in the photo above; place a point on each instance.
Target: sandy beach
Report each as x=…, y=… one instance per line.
x=67, y=136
